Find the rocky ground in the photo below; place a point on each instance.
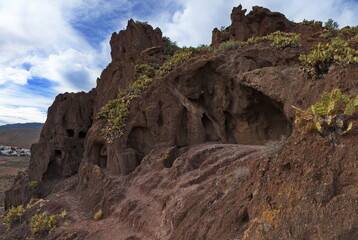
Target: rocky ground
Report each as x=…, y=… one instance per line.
x=209, y=150
x=9, y=167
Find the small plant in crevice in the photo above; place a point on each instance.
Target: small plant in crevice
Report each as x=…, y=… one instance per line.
x=322, y=56
x=329, y=116
x=98, y=215
x=33, y=184
x=44, y=223
x=13, y=216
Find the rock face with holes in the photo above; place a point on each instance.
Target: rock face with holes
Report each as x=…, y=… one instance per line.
x=59, y=151
x=208, y=152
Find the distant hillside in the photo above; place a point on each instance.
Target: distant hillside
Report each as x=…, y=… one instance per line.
x=21, y=126
x=20, y=135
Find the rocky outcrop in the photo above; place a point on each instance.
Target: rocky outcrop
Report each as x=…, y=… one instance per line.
x=127, y=47
x=208, y=152
x=259, y=22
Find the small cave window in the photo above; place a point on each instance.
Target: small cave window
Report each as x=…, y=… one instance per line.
x=70, y=132
x=58, y=154
x=82, y=134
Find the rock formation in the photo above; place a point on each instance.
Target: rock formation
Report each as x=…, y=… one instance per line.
x=259, y=22
x=208, y=152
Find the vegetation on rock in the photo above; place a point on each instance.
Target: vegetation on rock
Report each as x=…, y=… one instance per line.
x=310, y=22
x=329, y=116
x=116, y=111
x=170, y=47
x=229, y=45
x=318, y=61
x=179, y=57
x=98, y=215
x=279, y=40
x=43, y=223
x=13, y=216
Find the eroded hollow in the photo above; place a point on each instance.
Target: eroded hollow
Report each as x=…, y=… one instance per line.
x=210, y=132
x=141, y=139
x=54, y=168
x=260, y=121
x=100, y=155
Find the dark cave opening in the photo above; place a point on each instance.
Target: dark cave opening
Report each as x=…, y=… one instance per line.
x=262, y=120
x=54, y=168
x=82, y=134
x=70, y=132
x=100, y=155
x=210, y=132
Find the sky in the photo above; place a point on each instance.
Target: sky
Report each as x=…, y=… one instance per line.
x=49, y=47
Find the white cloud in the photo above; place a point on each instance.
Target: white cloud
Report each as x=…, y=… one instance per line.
x=16, y=75
x=193, y=24
x=21, y=115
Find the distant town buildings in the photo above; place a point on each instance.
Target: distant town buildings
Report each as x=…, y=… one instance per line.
x=14, y=151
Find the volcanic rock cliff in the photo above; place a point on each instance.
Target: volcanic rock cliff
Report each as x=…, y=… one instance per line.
x=209, y=150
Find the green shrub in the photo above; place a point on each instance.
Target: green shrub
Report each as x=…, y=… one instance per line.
x=329, y=115
x=145, y=69
x=310, y=22
x=43, y=223
x=318, y=61
x=170, y=47
x=13, y=215
x=33, y=184
x=178, y=58
x=140, y=22
x=229, y=45
x=278, y=39
x=330, y=29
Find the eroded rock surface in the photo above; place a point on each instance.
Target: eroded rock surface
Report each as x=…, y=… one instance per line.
x=208, y=152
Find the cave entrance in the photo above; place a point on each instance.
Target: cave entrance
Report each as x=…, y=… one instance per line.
x=141, y=139
x=54, y=168
x=100, y=155
x=260, y=121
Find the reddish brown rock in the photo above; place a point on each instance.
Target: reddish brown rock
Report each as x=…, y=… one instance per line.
x=259, y=22
x=126, y=49
x=208, y=152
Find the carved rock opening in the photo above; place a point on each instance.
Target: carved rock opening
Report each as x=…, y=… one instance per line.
x=70, y=132
x=54, y=168
x=141, y=139
x=100, y=155
x=260, y=121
